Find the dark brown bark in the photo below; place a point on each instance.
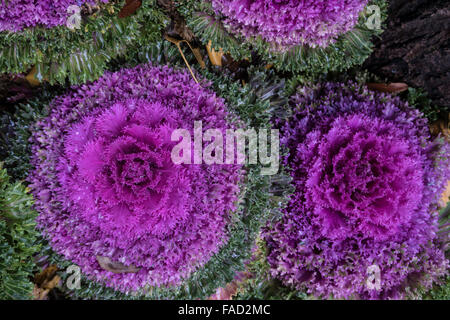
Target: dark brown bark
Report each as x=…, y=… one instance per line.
x=415, y=48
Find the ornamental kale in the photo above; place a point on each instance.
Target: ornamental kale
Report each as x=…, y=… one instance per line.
x=367, y=180
x=16, y=15
x=18, y=239
x=106, y=186
x=287, y=23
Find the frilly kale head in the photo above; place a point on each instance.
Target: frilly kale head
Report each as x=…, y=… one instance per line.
x=240, y=29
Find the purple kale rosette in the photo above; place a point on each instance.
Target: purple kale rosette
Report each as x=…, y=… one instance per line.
x=105, y=184
x=367, y=182
x=287, y=23
x=16, y=15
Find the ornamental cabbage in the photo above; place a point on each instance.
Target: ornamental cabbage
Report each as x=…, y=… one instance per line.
x=15, y=15
x=287, y=23
x=367, y=182
x=106, y=186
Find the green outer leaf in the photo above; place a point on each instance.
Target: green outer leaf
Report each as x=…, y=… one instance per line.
x=18, y=240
